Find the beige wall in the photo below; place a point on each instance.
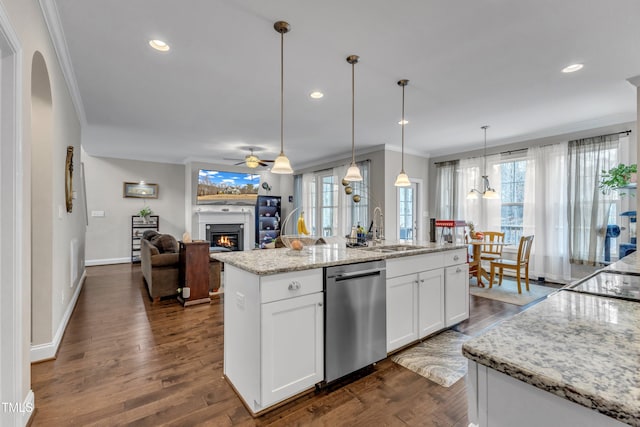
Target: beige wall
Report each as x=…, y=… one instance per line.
x=109, y=237
x=416, y=167
x=26, y=19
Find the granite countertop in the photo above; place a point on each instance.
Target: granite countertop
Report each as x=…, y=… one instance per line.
x=581, y=347
x=272, y=261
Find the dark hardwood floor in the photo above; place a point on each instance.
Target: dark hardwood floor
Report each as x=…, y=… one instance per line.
x=123, y=361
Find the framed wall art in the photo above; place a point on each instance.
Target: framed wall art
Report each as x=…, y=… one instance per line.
x=141, y=190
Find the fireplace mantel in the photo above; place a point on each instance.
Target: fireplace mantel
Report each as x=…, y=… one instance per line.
x=228, y=215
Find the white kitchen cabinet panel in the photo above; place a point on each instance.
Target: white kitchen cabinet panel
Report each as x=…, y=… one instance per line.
x=456, y=294
x=430, y=302
x=496, y=399
x=292, y=346
x=402, y=311
x=273, y=350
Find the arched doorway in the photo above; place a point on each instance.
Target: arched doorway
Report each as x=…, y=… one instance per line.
x=42, y=214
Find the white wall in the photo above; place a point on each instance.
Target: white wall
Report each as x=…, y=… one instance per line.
x=109, y=237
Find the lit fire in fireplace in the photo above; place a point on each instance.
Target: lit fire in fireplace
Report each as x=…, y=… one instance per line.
x=224, y=241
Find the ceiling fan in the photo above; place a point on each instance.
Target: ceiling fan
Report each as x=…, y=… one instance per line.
x=251, y=160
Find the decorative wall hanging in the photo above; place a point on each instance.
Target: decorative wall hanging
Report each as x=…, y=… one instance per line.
x=141, y=190
x=68, y=179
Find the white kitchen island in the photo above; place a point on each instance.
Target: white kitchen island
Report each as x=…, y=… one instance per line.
x=274, y=311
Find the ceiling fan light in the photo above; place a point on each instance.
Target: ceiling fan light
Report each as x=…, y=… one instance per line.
x=252, y=161
x=402, y=180
x=353, y=173
x=282, y=165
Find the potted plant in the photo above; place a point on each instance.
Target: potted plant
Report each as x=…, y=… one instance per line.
x=144, y=213
x=618, y=177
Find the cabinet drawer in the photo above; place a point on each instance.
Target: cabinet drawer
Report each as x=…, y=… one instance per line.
x=287, y=285
x=413, y=264
x=458, y=256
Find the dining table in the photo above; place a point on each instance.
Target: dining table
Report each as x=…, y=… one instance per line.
x=475, y=264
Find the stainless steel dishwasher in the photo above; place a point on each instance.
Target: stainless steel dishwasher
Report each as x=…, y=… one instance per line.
x=355, y=317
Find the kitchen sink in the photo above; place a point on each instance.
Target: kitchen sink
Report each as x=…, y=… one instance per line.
x=393, y=248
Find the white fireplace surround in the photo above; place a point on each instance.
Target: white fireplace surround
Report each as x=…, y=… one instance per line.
x=228, y=215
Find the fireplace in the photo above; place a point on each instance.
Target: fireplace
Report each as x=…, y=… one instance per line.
x=230, y=236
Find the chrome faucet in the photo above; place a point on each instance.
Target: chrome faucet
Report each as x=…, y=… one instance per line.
x=378, y=233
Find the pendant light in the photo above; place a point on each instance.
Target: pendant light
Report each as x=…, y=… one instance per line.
x=281, y=164
x=402, y=180
x=353, y=173
x=487, y=192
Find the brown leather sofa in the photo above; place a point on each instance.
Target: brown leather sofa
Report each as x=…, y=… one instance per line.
x=159, y=258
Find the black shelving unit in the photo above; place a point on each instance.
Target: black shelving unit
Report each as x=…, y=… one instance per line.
x=268, y=219
x=138, y=227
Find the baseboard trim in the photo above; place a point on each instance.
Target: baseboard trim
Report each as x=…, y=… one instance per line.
x=29, y=406
x=106, y=261
x=47, y=351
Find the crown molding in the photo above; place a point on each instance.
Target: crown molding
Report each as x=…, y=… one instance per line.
x=52, y=19
x=634, y=80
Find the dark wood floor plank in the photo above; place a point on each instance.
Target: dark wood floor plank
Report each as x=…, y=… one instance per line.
x=123, y=361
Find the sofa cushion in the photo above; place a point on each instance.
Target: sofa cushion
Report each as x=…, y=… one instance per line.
x=150, y=234
x=165, y=243
x=166, y=259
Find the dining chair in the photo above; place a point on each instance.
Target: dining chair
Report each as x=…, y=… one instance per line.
x=524, y=250
x=492, y=251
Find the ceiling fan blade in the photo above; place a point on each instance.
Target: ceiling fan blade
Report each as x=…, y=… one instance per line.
x=262, y=163
x=268, y=161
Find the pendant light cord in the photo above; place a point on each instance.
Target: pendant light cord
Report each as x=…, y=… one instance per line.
x=282, y=93
x=353, y=112
x=403, y=123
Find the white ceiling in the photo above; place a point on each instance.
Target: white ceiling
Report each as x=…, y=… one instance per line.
x=469, y=63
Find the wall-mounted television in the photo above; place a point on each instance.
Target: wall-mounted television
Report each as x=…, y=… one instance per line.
x=227, y=188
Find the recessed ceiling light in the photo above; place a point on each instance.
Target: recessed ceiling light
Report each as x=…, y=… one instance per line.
x=403, y=122
x=159, y=45
x=316, y=94
x=572, y=68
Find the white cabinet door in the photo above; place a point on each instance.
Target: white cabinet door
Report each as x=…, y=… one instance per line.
x=456, y=294
x=292, y=346
x=402, y=311
x=430, y=302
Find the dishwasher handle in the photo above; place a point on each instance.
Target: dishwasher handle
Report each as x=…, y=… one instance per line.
x=355, y=275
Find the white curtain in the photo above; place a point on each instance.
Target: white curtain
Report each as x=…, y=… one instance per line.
x=588, y=207
x=446, y=189
x=344, y=202
x=545, y=211
x=484, y=213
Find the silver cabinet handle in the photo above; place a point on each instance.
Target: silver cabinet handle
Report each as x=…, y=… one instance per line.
x=319, y=304
x=458, y=270
x=456, y=257
x=294, y=286
x=421, y=280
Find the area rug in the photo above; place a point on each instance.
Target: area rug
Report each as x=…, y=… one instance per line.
x=508, y=292
x=438, y=359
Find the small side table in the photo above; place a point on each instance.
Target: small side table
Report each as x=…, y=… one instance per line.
x=194, y=272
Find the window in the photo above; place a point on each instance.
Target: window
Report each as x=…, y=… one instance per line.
x=512, y=180
x=329, y=211
x=328, y=205
x=406, y=211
